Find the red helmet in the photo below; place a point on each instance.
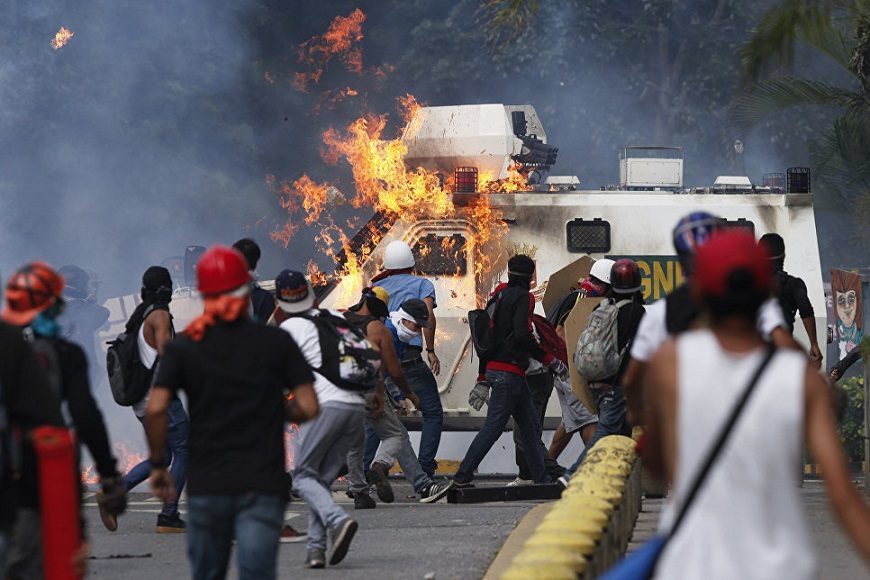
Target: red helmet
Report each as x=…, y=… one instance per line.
x=625, y=276
x=220, y=270
x=31, y=290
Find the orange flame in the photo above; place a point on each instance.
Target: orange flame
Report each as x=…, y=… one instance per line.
x=61, y=37
x=341, y=40
x=515, y=181
x=126, y=460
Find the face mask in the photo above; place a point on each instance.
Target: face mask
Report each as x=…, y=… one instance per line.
x=591, y=289
x=45, y=325
x=404, y=333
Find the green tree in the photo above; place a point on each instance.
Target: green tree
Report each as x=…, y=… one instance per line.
x=840, y=31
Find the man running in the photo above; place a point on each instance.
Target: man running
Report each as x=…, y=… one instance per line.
x=401, y=285
x=505, y=376
x=322, y=445
x=152, y=324
x=395, y=445
x=237, y=375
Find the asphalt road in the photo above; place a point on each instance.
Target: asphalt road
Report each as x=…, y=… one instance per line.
x=400, y=540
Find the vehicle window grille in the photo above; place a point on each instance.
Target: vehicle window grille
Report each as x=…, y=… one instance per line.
x=588, y=236
x=441, y=255
x=739, y=224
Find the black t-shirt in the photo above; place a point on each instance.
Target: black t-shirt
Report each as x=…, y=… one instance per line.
x=792, y=295
x=235, y=378
x=263, y=302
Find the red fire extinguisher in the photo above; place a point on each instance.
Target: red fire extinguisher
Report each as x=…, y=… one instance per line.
x=59, y=499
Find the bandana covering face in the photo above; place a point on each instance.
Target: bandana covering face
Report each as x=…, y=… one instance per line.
x=224, y=308
x=591, y=289
x=404, y=333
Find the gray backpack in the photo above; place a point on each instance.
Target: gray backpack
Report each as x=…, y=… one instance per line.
x=597, y=356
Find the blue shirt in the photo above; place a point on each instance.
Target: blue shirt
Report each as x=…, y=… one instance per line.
x=402, y=287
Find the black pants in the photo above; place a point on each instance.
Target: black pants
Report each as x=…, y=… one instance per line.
x=541, y=387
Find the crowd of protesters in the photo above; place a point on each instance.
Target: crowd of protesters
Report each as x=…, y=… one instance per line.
x=254, y=361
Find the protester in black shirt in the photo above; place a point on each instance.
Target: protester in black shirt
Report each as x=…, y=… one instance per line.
x=236, y=374
x=791, y=292
x=34, y=303
x=262, y=301
x=26, y=402
x=626, y=293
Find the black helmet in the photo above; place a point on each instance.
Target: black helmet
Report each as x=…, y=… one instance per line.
x=77, y=281
x=625, y=276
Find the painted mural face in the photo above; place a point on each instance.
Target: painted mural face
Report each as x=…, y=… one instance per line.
x=846, y=307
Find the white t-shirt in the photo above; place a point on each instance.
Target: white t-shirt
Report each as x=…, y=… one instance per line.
x=653, y=333
x=148, y=356
x=304, y=332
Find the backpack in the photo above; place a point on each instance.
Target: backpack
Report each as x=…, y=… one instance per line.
x=598, y=356
x=129, y=379
x=549, y=340
x=348, y=359
x=481, y=322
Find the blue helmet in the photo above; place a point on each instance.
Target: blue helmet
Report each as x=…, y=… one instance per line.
x=693, y=231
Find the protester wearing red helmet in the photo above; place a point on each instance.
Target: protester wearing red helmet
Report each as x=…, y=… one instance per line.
x=33, y=303
x=237, y=375
x=625, y=293
x=750, y=525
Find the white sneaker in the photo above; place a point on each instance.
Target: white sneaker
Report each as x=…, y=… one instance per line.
x=520, y=481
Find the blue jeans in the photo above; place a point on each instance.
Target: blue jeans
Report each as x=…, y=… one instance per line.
x=176, y=453
x=213, y=521
x=509, y=396
x=611, y=421
x=423, y=382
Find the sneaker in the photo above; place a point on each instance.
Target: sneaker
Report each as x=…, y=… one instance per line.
x=382, y=485
x=315, y=559
x=341, y=536
x=170, y=524
x=461, y=485
x=435, y=491
x=108, y=518
x=363, y=501
x=563, y=481
x=520, y=481
x=290, y=535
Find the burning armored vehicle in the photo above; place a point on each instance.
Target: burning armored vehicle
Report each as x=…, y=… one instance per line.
x=486, y=172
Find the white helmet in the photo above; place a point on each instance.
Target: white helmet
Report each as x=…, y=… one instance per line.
x=398, y=256
x=601, y=269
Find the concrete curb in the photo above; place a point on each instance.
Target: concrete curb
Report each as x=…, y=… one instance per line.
x=516, y=540
x=588, y=530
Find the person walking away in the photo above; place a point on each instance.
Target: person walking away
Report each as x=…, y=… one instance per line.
x=401, y=285
x=26, y=402
x=262, y=300
x=625, y=294
x=596, y=284
x=576, y=418
x=504, y=382
x=34, y=303
x=747, y=519
x=322, y=445
x=791, y=293
x=540, y=381
x=237, y=375
x=151, y=323
x=369, y=314
x=677, y=312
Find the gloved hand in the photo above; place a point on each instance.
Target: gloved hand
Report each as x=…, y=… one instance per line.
x=478, y=396
x=559, y=369
x=114, y=496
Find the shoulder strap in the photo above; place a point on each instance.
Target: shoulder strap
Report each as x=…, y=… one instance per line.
x=720, y=442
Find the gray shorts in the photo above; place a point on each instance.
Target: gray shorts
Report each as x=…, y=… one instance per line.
x=575, y=415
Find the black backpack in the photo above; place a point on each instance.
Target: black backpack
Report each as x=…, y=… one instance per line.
x=129, y=379
x=481, y=322
x=347, y=358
